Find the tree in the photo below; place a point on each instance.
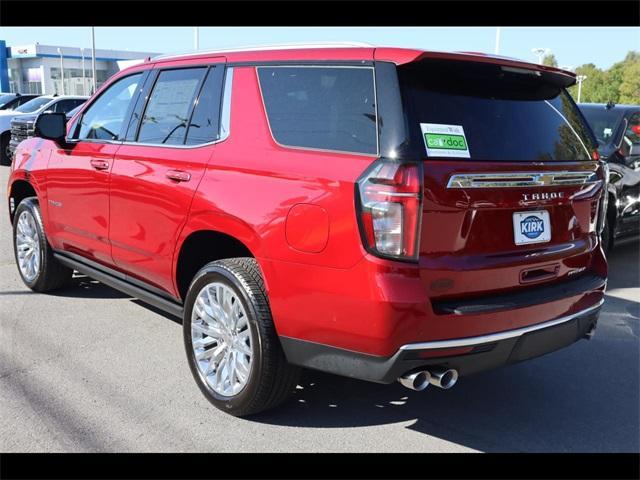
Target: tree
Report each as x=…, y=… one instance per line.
x=618, y=84
x=550, y=60
x=630, y=86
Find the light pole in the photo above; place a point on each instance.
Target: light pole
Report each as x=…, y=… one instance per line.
x=540, y=52
x=93, y=59
x=580, y=79
x=84, y=83
x=61, y=69
x=196, y=37
x=497, y=50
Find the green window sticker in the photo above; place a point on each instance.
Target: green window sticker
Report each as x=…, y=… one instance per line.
x=445, y=140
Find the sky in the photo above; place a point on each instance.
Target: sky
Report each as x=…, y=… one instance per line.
x=572, y=46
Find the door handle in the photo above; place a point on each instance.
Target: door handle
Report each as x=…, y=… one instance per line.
x=178, y=175
x=100, y=164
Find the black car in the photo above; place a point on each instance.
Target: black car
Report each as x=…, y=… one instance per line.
x=23, y=127
x=9, y=101
x=617, y=131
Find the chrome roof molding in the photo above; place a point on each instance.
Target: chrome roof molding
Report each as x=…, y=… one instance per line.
x=520, y=179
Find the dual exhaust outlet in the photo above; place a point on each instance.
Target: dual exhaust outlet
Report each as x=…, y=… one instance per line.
x=420, y=379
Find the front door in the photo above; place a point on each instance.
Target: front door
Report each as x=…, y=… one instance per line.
x=78, y=174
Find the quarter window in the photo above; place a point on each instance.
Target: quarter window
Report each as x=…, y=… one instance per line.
x=329, y=108
x=166, y=117
x=104, y=118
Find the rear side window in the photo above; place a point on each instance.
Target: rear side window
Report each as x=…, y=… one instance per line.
x=328, y=108
x=205, y=121
x=485, y=112
x=64, y=106
x=166, y=117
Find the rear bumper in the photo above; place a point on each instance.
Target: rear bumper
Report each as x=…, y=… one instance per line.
x=467, y=355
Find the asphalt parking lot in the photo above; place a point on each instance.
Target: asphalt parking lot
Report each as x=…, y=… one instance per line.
x=90, y=369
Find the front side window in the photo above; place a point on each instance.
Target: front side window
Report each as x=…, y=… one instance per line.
x=104, y=118
x=327, y=108
x=166, y=117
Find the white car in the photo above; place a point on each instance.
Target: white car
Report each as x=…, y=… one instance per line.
x=45, y=103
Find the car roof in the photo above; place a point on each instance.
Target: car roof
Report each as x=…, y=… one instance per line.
x=357, y=52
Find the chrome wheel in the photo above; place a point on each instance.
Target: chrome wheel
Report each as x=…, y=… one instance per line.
x=28, y=246
x=221, y=339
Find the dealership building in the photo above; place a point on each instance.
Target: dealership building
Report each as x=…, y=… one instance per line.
x=40, y=68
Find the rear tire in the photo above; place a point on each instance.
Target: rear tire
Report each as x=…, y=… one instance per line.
x=240, y=366
x=38, y=268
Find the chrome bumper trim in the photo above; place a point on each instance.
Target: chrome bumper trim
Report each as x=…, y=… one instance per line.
x=495, y=337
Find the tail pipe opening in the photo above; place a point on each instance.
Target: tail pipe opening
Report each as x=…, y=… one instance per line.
x=420, y=379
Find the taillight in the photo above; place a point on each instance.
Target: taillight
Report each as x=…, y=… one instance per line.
x=389, y=196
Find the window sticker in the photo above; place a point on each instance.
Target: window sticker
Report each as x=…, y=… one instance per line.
x=445, y=140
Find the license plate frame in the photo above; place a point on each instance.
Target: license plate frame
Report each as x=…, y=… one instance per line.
x=531, y=227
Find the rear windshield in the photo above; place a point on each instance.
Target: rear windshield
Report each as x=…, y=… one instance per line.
x=473, y=111
x=604, y=122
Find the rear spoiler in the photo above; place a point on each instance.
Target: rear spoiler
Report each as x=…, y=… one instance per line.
x=553, y=75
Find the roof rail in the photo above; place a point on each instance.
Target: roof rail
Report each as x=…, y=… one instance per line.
x=280, y=46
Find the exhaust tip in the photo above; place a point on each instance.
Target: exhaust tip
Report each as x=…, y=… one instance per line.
x=417, y=381
x=444, y=379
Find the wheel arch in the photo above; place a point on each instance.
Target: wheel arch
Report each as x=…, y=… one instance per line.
x=207, y=238
x=19, y=189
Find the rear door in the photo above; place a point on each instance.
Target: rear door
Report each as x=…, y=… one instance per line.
x=511, y=184
x=158, y=169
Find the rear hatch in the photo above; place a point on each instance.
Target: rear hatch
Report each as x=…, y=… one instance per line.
x=511, y=182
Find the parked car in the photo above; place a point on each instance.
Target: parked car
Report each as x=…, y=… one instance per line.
x=617, y=130
x=32, y=108
x=380, y=213
x=9, y=101
x=22, y=127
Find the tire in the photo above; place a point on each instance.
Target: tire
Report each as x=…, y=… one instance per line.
x=5, y=159
x=49, y=274
x=271, y=379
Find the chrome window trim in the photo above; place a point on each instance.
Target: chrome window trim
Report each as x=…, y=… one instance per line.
x=521, y=179
x=496, y=337
x=225, y=122
x=312, y=149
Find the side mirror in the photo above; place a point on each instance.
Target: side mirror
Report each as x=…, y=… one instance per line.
x=52, y=126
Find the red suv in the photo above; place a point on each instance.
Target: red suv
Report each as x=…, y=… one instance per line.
x=380, y=213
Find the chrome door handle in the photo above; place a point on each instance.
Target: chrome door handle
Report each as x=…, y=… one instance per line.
x=178, y=175
x=100, y=164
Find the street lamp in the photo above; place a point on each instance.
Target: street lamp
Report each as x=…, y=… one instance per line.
x=540, y=52
x=61, y=69
x=196, y=39
x=580, y=79
x=497, y=50
x=93, y=60
x=84, y=83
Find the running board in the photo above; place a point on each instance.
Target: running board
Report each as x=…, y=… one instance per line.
x=166, y=305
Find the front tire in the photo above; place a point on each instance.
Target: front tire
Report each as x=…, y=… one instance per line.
x=5, y=157
x=38, y=268
x=231, y=343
